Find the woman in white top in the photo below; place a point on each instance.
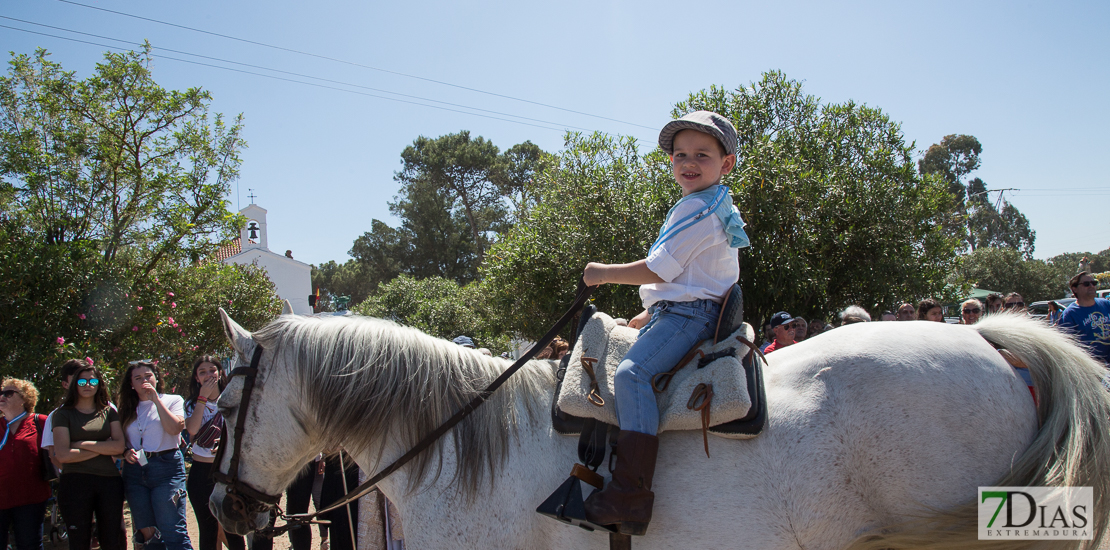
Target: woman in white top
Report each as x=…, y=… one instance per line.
x=153, y=469
x=205, y=426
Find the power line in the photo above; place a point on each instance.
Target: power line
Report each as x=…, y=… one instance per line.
x=352, y=63
x=286, y=72
x=310, y=83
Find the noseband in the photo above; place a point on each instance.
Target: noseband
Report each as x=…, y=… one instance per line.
x=244, y=499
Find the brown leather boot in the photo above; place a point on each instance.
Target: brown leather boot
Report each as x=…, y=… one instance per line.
x=627, y=500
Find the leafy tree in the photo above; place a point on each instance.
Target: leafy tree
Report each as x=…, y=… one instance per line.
x=438, y=306
x=461, y=170
x=346, y=279
x=837, y=213
x=953, y=158
x=111, y=197
x=990, y=225
x=1006, y=270
x=59, y=301
x=515, y=176
x=116, y=159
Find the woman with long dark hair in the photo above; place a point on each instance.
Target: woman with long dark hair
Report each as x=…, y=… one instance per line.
x=153, y=469
x=87, y=434
x=205, y=426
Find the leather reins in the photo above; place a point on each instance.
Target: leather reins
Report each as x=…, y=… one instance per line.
x=237, y=489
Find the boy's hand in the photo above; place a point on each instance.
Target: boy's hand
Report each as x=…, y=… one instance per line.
x=640, y=320
x=593, y=275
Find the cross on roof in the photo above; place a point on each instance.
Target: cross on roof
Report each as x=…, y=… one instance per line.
x=252, y=195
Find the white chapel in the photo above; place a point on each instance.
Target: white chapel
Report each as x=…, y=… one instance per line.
x=292, y=279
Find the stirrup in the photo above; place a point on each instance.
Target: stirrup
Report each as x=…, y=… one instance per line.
x=567, y=505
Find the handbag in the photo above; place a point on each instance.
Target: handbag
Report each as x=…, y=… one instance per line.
x=209, y=435
x=46, y=467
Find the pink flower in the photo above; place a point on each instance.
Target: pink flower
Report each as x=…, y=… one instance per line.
x=140, y=308
x=89, y=360
x=173, y=304
x=196, y=348
x=170, y=294
x=81, y=316
x=170, y=320
x=134, y=329
x=178, y=330
x=153, y=330
x=61, y=340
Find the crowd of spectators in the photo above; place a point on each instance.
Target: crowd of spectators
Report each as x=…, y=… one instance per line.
x=98, y=450
x=1088, y=317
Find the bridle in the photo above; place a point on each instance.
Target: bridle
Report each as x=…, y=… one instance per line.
x=246, y=499
x=255, y=501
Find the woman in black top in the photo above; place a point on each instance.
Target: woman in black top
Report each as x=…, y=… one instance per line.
x=87, y=434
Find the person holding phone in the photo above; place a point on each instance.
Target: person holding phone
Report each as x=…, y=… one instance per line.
x=153, y=469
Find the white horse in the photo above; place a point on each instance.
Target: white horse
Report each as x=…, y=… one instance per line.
x=877, y=437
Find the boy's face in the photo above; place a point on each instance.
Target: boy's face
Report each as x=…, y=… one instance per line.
x=698, y=161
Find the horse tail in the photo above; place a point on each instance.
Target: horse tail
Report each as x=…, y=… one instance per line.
x=1072, y=447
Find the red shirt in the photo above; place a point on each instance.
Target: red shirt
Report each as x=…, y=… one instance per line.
x=20, y=473
x=775, y=345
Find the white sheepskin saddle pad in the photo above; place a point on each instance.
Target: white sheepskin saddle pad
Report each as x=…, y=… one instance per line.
x=606, y=342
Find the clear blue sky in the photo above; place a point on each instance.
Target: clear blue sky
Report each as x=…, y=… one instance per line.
x=1028, y=79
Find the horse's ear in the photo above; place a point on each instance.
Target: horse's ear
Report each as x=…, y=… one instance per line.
x=286, y=307
x=238, y=336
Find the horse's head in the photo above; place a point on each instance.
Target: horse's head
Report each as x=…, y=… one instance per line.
x=264, y=444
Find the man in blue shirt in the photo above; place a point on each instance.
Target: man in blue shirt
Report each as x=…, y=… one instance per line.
x=1089, y=317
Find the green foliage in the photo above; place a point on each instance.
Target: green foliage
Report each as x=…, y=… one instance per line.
x=600, y=201
x=837, y=214
x=111, y=193
x=346, y=279
x=1005, y=270
x=438, y=306
x=59, y=301
x=457, y=195
x=988, y=225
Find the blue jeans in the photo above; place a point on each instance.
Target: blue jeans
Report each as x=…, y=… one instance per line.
x=27, y=523
x=156, y=495
x=674, y=328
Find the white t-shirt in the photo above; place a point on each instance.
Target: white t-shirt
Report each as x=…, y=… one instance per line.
x=696, y=264
x=210, y=410
x=146, y=432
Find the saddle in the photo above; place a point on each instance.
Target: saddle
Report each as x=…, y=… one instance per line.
x=717, y=387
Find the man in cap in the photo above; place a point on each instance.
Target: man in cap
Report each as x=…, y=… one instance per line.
x=783, y=330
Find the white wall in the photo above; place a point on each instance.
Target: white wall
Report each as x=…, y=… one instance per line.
x=292, y=279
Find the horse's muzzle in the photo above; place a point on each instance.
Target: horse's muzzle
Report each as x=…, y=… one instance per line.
x=236, y=513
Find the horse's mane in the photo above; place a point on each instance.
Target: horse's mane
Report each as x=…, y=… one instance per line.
x=366, y=379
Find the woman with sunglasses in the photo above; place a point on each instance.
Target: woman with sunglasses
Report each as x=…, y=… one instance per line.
x=970, y=311
x=87, y=434
x=153, y=469
x=204, y=424
x=24, y=495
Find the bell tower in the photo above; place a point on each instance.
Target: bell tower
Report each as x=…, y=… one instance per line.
x=253, y=234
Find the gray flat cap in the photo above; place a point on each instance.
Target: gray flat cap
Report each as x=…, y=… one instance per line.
x=703, y=121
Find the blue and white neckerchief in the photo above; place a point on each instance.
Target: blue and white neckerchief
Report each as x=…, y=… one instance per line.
x=8, y=429
x=718, y=202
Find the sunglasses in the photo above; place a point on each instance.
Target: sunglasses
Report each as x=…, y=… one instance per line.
x=974, y=310
x=1087, y=283
x=1012, y=305
x=9, y=393
x=82, y=382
